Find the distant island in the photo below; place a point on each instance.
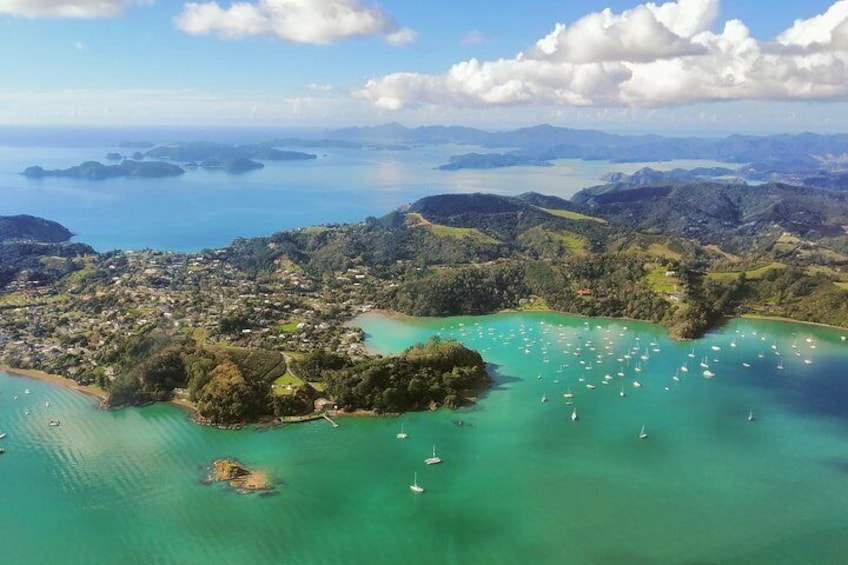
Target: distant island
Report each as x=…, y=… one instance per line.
x=231, y=158
x=491, y=161
x=94, y=170
x=200, y=154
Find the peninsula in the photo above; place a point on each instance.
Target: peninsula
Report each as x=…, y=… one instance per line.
x=257, y=331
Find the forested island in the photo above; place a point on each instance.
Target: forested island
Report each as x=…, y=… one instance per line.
x=94, y=170
x=257, y=331
x=192, y=155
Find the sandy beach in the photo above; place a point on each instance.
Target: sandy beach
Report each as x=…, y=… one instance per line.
x=90, y=391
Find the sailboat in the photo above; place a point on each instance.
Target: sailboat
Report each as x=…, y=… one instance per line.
x=568, y=394
x=643, y=434
x=433, y=460
x=621, y=392
x=574, y=416
x=402, y=434
x=750, y=415
x=415, y=487
x=544, y=399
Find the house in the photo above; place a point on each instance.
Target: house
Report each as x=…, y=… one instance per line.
x=584, y=292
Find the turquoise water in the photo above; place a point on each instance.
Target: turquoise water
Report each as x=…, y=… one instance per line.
x=208, y=209
x=519, y=481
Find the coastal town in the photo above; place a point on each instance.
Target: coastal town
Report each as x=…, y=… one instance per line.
x=68, y=327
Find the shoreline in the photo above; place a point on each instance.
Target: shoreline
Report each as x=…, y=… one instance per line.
x=789, y=321
x=58, y=380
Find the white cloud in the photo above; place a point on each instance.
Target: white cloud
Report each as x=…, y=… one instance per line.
x=65, y=8
x=473, y=37
x=403, y=36
x=818, y=30
x=318, y=87
x=299, y=21
x=649, y=56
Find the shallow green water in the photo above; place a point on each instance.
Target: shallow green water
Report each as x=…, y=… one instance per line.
x=519, y=481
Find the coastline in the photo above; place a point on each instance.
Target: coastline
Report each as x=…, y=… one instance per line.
x=58, y=380
x=790, y=321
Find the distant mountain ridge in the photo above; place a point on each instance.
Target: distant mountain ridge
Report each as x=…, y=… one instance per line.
x=532, y=145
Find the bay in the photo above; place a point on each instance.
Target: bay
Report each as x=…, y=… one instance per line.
x=208, y=209
x=520, y=481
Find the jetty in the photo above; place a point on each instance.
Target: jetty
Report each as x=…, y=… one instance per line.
x=332, y=422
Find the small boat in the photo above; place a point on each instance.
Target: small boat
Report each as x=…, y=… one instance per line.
x=3, y=435
x=750, y=415
x=621, y=392
x=643, y=434
x=543, y=399
x=402, y=434
x=47, y=404
x=708, y=374
x=415, y=487
x=568, y=394
x=590, y=386
x=54, y=423
x=433, y=460
x=26, y=391
x=2, y=451
x=574, y=416
x=637, y=384
x=746, y=365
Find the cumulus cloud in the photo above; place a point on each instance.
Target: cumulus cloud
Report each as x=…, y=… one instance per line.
x=299, y=21
x=64, y=8
x=649, y=56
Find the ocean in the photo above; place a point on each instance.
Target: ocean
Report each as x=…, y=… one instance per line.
x=209, y=209
x=519, y=481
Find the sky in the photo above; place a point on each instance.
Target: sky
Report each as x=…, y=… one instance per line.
x=690, y=66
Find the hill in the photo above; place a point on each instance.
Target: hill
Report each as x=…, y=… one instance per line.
x=32, y=228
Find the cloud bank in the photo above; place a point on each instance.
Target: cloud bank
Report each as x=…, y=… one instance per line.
x=318, y=22
x=65, y=8
x=652, y=55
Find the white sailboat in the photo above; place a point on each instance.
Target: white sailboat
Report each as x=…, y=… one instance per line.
x=643, y=434
x=543, y=399
x=415, y=487
x=402, y=434
x=621, y=392
x=574, y=416
x=433, y=460
x=750, y=415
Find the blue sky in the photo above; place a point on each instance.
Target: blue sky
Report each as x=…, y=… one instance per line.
x=690, y=65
